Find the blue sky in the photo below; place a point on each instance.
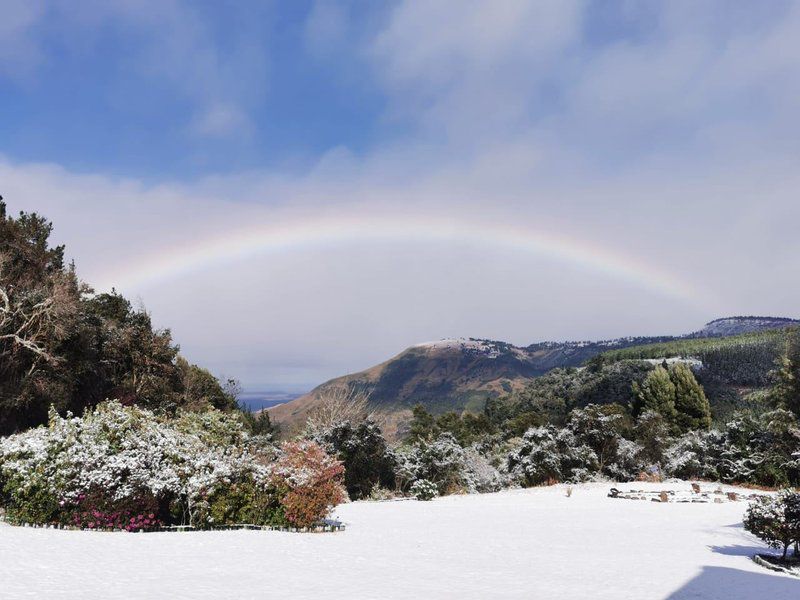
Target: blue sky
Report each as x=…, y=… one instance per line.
x=664, y=133
x=98, y=91
x=172, y=89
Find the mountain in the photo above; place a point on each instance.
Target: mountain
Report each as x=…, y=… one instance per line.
x=738, y=325
x=460, y=374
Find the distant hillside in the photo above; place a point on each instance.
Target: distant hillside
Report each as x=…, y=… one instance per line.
x=736, y=325
x=460, y=374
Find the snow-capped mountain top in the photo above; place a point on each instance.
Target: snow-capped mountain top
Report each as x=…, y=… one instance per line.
x=738, y=325
x=459, y=373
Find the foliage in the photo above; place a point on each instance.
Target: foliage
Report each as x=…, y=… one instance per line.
x=550, y=398
x=787, y=390
x=775, y=519
x=118, y=465
x=656, y=393
x=423, y=424
x=548, y=455
x=366, y=457
x=740, y=360
x=62, y=345
x=448, y=465
x=424, y=490
x=691, y=405
x=592, y=443
x=695, y=455
x=652, y=433
x=674, y=392
x=258, y=424
x=310, y=482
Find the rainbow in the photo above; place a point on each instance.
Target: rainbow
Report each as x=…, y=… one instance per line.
x=330, y=231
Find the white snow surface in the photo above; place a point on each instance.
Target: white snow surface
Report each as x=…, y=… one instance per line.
x=534, y=543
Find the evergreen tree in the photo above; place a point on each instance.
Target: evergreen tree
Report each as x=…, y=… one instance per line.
x=787, y=390
x=656, y=393
x=423, y=425
x=62, y=345
x=367, y=459
x=691, y=404
x=652, y=433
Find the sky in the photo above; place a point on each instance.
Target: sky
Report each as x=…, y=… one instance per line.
x=303, y=189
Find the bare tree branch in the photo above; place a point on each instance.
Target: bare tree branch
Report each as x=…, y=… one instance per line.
x=336, y=405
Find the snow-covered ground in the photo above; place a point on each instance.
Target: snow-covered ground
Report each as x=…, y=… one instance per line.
x=517, y=544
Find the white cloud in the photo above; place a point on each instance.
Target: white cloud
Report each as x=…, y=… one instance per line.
x=677, y=148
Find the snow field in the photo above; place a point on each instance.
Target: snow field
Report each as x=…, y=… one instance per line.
x=534, y=543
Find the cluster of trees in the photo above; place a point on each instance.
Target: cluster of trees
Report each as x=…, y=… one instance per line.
x=740, y=360
x=62, y=345
x=674, y=393
x=127, y=468
x=664, y=432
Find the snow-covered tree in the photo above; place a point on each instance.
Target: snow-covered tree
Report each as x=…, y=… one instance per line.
x=549, y=454
x=694, y=455
x=448, y=465
x=775, y=519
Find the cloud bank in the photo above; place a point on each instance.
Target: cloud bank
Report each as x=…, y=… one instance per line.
x=663, y=134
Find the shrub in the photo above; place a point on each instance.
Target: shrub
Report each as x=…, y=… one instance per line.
x=363, y=451
x=775, y=519
x=424, y=489
x=694, y=455
x=447, y=465
x=548, y=454
x=117, y=466
x=309, y=482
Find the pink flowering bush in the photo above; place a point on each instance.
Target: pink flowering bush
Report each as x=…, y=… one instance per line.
x=96, y=510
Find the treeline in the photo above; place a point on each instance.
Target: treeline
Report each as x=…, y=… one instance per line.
x=740, y=360
x=63, y=345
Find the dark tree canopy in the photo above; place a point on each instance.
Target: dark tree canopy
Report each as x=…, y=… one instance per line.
x=63, y=345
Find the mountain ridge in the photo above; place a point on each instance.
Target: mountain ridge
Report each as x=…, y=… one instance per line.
x=460, y=373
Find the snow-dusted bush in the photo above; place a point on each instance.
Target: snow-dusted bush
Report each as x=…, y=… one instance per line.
x=775, y=519
x=548, y=454
x=603, y=428
x=759, y=449
x=627, y=462
x=448, y=465
x=750, y=449
x=478, y=472
x=117, y=466
x=694, y=455
x=423, y=489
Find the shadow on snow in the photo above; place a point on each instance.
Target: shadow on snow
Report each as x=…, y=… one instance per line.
x=723, y=583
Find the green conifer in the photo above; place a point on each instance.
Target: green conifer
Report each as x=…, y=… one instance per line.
x=691, y=404
x=656, y=393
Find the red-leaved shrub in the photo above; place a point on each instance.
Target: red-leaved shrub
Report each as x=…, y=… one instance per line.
x=310, y=481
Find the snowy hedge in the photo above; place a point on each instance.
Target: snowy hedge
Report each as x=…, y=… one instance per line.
x=125, y=468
